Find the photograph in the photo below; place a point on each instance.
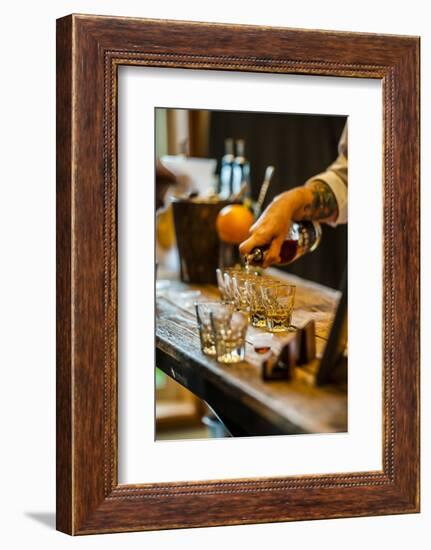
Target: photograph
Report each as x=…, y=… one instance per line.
x=237, y=274
x=251, y=273
x=213, y=322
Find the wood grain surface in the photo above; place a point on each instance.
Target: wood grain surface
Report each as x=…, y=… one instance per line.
x=238, y=391
x=89, y=51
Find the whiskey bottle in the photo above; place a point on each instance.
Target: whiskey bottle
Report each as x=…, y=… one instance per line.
x=303, y=237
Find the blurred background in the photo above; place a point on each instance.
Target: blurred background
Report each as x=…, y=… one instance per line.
x=191, y=143
x=298, y=146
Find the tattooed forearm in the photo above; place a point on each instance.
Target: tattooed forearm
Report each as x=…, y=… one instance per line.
x=321, y=203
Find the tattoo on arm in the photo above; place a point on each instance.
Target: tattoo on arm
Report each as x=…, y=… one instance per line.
x=323, y=204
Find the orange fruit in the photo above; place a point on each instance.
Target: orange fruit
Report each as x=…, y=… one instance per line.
x=233, y=223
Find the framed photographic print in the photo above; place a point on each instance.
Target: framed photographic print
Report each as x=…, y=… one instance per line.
x=237, y=274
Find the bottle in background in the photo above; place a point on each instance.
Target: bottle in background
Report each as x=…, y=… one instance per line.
x=303, y=237
x=241, y=171
x=226, y=170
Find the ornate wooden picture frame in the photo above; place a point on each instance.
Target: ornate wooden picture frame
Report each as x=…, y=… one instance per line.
x=89, y=51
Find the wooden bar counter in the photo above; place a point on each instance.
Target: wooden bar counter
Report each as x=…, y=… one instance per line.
x=246, y=404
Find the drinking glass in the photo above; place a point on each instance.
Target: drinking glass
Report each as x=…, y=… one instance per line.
x=229, y=334
x=278, y=301
x=228, y=283
x=221, y=284
x=240, y=296
x=256, y=300
x=205, y=311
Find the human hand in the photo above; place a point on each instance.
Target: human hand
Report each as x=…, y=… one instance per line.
x=273, y=225
x=164, y=178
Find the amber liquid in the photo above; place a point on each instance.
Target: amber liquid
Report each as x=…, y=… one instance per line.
x=278, y=321
x=258, y=317
x=288, y=252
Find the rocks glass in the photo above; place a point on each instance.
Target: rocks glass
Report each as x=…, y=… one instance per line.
x=205, y=312
x=240, y=295
x=221, y=285
x=278, y=302
x=256, y=300
x=229, y=334
x=224, y=283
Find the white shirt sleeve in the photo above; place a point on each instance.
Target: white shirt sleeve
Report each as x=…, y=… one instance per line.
x=336, y=178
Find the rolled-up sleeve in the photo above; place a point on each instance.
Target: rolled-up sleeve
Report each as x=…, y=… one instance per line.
x=335, y=176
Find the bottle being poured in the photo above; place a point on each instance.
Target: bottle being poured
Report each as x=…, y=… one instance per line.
x=303, y=237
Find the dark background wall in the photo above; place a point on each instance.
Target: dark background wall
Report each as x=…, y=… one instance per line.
x=298, y=146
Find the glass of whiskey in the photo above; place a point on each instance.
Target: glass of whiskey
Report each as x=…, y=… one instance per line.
x=279, y=301
x=256, y=301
